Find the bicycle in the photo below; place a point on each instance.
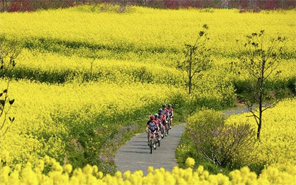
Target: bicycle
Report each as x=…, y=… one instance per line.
x=162, y=129
x=166, y=128
x=151, y=143
x=170, y=118
x=157, y=139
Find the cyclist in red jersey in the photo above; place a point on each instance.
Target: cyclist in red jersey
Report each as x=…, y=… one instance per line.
x=163, y=119
x=166, y=112
x=156, y=123
x=160, y=126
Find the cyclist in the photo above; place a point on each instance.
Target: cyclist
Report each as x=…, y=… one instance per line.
x=160, y=126
x=165, y=111
x=171, y=114
x=151, y=129
x=163, y=119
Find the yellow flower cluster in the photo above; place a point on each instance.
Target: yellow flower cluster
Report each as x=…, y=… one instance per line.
x=58, y=174
x=190, y=162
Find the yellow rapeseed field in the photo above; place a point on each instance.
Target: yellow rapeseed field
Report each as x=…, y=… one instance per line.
x=147, y=28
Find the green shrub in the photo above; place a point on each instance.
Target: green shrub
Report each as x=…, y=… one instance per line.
x=225, y=146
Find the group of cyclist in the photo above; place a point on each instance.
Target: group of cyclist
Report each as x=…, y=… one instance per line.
x=159, y=123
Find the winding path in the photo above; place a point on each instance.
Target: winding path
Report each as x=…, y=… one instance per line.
x=135, y=154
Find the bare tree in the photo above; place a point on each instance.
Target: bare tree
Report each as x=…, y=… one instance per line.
x=261, y=61
x=197, y=57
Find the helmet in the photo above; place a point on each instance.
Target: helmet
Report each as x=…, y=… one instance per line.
x=160, y=110
x=170, y=105
x=155, y=115
x=164, y=105
x=152, y=117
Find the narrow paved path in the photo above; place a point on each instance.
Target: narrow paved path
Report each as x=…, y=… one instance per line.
x=236, y=111
x=135, y=154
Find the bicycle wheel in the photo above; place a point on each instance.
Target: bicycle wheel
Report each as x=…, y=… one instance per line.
x=150, y=146
x=158, y=141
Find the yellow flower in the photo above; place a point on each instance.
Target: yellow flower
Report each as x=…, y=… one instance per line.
x=200, y=169
x=118, y=174
x=150, y=169
x=127, y=175
x=95, y=169
x=100, y=175
x=68, y=168
x=190, y=162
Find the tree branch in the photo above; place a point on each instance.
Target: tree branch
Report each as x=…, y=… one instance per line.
x=254, y=115
x=270, y=106
x=207, y=157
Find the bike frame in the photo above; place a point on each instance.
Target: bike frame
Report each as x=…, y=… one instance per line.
x=152, y=136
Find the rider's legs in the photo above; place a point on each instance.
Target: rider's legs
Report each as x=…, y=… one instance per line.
x=166, y=128
x=161, y=129
x=158, y=134
x=153, y=141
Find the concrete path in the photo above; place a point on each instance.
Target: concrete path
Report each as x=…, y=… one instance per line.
x=135, y=154
x=236, y=111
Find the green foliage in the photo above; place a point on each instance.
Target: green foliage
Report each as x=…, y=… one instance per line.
x=226, y=146
x=187, y=148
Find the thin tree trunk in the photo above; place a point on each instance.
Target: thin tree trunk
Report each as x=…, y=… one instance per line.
x=190, y=85
x=3, y=5
x=261, y=91
x=189, y=72
x=260, y=111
